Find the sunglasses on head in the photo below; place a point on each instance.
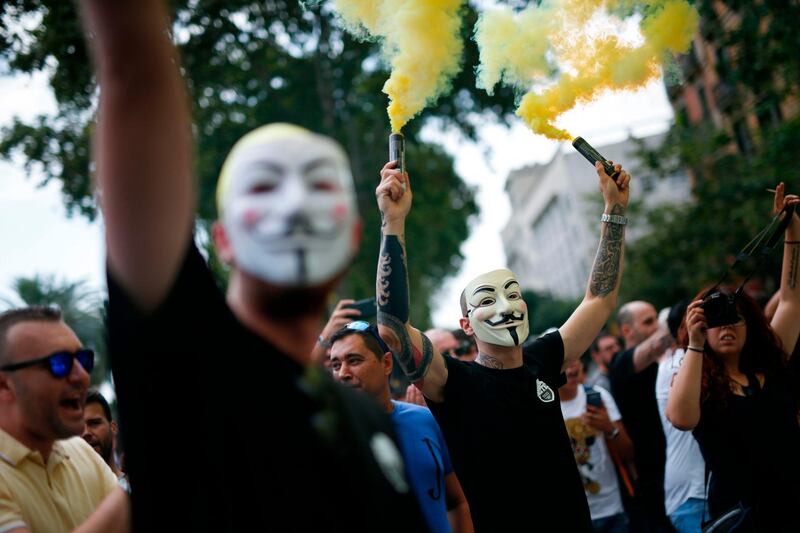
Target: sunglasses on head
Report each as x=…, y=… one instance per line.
x=362, y=326
x=59, y=363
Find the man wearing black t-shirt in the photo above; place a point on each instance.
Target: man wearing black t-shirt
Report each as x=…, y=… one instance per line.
x=268, y=440
x=500, y=414
x=632, y=374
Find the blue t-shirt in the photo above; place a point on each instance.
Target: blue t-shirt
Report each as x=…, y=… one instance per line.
x=427, y=460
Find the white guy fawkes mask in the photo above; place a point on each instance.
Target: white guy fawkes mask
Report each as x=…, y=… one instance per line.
x=288, y=207
x=496, y=310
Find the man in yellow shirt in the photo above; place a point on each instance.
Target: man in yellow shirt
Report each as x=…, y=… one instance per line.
x=48, y=483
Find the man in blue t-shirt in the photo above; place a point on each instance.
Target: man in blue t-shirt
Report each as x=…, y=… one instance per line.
x=360, y=359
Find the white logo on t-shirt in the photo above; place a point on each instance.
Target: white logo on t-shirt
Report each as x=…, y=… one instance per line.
x=544, y=392
x=388, y=458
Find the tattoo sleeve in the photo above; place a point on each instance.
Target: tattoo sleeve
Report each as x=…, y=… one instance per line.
x=393, y=308
x=605, y=271
x=392, y=281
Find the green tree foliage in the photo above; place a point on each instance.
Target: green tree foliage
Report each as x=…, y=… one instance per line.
x=691, y=245
x=81, y=307
x=249, y=63
x=545, y=312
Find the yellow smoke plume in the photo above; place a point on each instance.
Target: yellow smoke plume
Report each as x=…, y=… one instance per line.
x=421, y=41
x=528, y=48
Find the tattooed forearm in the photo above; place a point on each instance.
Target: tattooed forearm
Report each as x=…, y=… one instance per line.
x=415, y=364
x=392, y=280
x=488, y=361
x=605, y=272
x=793, y=266
x=659, y=346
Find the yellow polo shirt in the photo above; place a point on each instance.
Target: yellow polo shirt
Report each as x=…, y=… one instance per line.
x=56, y=496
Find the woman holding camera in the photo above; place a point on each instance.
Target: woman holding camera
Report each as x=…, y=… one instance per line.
x=737, y=393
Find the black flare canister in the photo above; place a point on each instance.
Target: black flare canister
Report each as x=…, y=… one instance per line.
x=397, y=150
x=592, y=155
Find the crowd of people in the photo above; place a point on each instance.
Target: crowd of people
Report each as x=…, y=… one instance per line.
x=370, y=425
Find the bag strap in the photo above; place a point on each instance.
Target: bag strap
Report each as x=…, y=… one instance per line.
x=706, y=513
x=621, y=469
x=760, y=246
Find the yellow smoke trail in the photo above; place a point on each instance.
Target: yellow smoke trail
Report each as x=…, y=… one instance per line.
x=420, y=39
x=527, y=48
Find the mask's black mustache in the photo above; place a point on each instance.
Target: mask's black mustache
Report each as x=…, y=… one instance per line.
x=506, y=319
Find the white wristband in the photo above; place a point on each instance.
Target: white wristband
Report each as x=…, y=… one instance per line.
x=614, y=219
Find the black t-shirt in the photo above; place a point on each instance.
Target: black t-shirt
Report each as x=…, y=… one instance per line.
x=635, y=394
x=751, y=445
x=509, y=445
x=223, y=432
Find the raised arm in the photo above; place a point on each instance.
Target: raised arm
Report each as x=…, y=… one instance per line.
x=601, y=293
x=421, y=362
x=786, y=321
x=683, y=405
x=653, y=347
x=142, y=144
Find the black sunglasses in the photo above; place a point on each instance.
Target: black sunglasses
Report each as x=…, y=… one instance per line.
x=362, y=326
x=59, y=363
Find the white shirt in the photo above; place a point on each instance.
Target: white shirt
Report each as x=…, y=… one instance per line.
x=684, y=470
x=594, y=462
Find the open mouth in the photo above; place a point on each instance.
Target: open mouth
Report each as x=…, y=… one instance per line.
x=72, y=404
x=728, y=337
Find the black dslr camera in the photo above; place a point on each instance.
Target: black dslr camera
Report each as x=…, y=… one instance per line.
x=720, y=309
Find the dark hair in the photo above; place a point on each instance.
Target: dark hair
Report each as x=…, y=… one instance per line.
x=94, y=396
x=602, y=335
x=762, y=351
x=675, y=316
x=463, y=301
x=370, y=341
x=466, y=343
x=12, y=317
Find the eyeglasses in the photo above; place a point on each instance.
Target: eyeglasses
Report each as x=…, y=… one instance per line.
x=362, y=326
x=59, y=363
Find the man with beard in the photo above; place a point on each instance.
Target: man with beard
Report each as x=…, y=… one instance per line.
x=50, y=479
x=100, y=430
x=236, y=364
x=500, y=414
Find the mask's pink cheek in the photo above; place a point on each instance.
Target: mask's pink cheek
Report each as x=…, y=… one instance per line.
x=250, y=218
x=481, y=314
x=340, y=212
x=523, y=307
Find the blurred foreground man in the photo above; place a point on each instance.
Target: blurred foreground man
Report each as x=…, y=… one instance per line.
x=236, y=364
